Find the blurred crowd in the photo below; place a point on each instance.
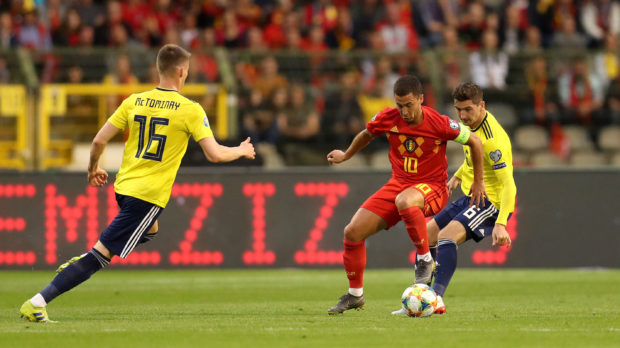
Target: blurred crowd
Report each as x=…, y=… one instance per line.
x=299, y=93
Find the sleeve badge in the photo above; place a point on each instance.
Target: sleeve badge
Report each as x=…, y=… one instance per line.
x=495, y=155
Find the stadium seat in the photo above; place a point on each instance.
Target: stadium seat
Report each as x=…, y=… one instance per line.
x=531, y=138
x=578, y=138
x=80, y=157
x=546, y=159
x=356, y=162
x=271, y=157
x=609, y=138
x=519, y=159
x=453, y=147
x=380, y=160
x=614, y=161
x=505, y=115
x=455, y=159
x=587, y=159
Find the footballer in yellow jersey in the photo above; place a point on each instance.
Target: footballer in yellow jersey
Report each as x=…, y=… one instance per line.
x=460, y=222
x=160, y=122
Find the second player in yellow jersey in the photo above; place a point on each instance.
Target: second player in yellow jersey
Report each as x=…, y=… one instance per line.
x=461, y=220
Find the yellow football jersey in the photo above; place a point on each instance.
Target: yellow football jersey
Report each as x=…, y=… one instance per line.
x=498, y=178
x=160, y=122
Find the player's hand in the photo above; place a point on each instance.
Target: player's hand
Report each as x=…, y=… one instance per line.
x=247, y=148
x=98, y=177
x=453, y=183
x=478, y=193
x=500, y=236
x=336, y=156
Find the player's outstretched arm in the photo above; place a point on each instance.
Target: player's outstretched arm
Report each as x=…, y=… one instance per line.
x=97, y=176
x=359, y=142
x=215, y=152
x=478, y=191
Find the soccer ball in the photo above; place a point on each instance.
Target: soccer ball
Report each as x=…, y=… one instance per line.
x=419, y=300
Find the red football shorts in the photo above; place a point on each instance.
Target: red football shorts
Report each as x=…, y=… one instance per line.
x=383, y=203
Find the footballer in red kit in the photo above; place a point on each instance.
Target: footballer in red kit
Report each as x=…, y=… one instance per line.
x=418, y=157
x=417, y=136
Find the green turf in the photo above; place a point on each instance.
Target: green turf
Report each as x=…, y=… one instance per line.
x=288, y=308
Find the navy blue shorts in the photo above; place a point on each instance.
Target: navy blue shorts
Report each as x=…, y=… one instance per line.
x=134, y=219
x=478, y=222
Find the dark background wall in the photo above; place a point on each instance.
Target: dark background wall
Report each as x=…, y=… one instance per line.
x=295, y=219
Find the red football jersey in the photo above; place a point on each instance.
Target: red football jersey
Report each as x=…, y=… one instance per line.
x=417, y=154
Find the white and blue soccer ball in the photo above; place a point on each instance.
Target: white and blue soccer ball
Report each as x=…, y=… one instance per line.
x=419, y=300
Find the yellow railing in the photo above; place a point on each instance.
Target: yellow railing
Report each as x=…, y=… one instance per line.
x=13, y=149
x=53, y=103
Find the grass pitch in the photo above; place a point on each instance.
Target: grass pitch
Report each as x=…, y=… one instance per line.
x=288, y=308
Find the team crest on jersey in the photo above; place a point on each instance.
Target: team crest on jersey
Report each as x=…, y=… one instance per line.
x=205, y=121
x=410, y=145
x=454, y=125
x=495, y=155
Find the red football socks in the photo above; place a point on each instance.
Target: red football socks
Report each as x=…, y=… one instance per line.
x=354, y=258
x=416, y=227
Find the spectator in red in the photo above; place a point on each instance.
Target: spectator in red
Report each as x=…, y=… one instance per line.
x=321, y=12
x=68, y=33
x=134, y=13
x=316, y=48
x=248, y=13
x=581, y=94
x=166, y=14
x=397, y=36
x=472, y=25
x=282, y=20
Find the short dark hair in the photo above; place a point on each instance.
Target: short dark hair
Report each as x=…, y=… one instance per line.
x=408, y=84
x=468, y=91
x=169, y=57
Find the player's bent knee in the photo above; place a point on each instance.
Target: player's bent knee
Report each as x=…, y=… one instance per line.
x=353, y=233
x=409, y=198
x=433, y=231
x=103, y=250
x=454, y=231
